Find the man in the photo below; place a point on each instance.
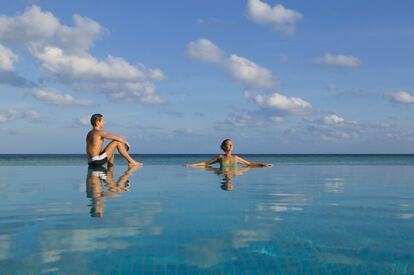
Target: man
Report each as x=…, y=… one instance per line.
x=94, y=143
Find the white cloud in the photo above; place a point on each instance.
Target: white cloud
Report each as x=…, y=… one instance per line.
x=63, y=51
x=59, y=99
x=88, y=68
x=333, y=119
x=37, y=28
x=7, y=59
x=249, y=72
x=338, y=60
x=282, y=103
x=401, y=97
x=204, y=50
x=130, y=91
x=241, y=69
x=282, y=19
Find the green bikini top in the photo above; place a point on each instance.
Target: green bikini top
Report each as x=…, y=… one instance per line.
x=232, y=164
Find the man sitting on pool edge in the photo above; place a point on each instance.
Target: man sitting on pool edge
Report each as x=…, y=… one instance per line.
x=94, y=142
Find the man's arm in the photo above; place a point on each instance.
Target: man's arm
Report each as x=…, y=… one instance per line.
x=112, y=137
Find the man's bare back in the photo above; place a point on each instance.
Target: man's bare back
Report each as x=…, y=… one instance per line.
x=94, y=142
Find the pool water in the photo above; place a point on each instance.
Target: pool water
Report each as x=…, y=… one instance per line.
x=307, y=214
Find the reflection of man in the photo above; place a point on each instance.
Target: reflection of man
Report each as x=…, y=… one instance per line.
x=94, y=187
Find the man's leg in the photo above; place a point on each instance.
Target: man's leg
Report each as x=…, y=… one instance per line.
x=110, y=153
x=110, y=150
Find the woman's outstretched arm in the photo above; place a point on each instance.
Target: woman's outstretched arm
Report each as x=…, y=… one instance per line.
x=204, y=163
x=252, y=164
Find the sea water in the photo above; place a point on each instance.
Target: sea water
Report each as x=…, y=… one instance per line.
x=307, y=214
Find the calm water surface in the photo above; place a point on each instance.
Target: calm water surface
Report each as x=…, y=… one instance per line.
x=307, y=214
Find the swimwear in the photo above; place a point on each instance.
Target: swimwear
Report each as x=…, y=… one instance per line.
x=98, y=160
x=97, y=171
x=224, y=165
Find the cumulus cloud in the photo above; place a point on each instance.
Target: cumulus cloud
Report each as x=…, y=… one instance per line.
x=332, y=127
x=204, y=50
x=401, y=97
x=59, y=99
x=282, y=19
x=130, y=91
x=282, y=103
x=333, y=119
x=338, y=60
x=63, y=51
x=249, y=72
x=241, y=69
x=36, y=28
x=7, y=59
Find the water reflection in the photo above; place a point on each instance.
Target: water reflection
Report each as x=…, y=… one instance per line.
x=96, y=178
x=227, y=175
x=334, y=185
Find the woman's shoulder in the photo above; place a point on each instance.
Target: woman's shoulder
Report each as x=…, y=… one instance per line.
x=219, y=157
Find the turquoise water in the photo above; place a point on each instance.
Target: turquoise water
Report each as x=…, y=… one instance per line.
x=308, y=214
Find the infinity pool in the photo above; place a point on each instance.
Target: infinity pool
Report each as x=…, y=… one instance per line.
x=307, y=214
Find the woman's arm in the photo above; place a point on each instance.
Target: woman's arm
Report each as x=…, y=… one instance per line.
x=252, y=164
x=204, y=163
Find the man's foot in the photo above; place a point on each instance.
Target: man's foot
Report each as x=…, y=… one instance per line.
x=135, y=164
x=131, y=170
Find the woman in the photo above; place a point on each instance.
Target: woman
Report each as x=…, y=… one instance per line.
x=228, y=160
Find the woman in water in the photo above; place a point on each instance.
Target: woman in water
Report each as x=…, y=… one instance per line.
x=228, y=160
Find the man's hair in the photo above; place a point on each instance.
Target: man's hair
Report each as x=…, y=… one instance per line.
x=223, y=144
x=95, y=118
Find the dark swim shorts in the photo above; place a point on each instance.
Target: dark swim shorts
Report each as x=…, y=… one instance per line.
x=98, y=160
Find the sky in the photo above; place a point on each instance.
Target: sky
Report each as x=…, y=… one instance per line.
x=180, y=76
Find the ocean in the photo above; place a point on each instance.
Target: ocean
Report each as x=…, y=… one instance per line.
x=312, y=214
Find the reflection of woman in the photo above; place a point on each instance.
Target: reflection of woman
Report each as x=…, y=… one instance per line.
x=94, y=187
x=228, y=160
x=227, y=175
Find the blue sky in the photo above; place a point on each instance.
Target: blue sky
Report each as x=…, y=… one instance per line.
x=180, y=76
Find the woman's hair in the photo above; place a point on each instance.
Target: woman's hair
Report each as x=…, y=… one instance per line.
x=95, y=118
x=223, y=144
